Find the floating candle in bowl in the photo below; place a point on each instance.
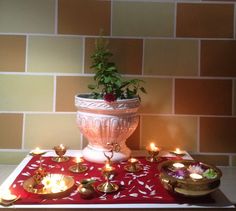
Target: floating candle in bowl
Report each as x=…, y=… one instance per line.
x=178, y=165
x=196, y=176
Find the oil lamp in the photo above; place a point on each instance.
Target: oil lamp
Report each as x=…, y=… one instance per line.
x=153, y=152
x=79, y=167
x=178, y=165
x=7, y=196
x=133, y=165
x=108, y=187
x=60, y=150
x=178, y=152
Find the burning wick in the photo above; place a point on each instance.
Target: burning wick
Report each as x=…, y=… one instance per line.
x=196, y=176
x=153, y=147
x=37, y=151
x=178, y=165
x=7, y=195
x=108, y=168
x=133, y=160
x=177, y=151
x=78, y=159
x=62, y=146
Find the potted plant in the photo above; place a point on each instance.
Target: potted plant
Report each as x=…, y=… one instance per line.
x=108, y=115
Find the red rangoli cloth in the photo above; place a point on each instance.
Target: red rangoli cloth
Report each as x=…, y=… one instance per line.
x=141, y=187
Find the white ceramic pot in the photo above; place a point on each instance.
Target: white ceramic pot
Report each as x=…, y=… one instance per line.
x=104, y=123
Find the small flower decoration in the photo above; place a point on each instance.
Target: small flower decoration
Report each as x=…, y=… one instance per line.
x=109, y=97
x=179, y=174
x=196, y=168
x=210, y=174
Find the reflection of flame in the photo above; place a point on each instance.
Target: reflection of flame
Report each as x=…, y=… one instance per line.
x=54, y=183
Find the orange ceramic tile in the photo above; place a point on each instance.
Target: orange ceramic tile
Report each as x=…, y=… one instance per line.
x=218, y=58
x=11, y=131
x=85, y=17
x=169, y=132
x=67, y=88
x=217, y=134
x=206, y=96
x=127, y=54
x=218, y=160
x=205, y=20
x=12, y=53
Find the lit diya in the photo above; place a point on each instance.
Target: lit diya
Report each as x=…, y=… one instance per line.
x=153, y=152
x=79, y=167
x=60, y=150
x=133, y=165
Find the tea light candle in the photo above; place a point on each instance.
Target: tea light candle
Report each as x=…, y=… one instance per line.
x=7, y=195
x=178, y=165
x=196, y=176
x=37, y=151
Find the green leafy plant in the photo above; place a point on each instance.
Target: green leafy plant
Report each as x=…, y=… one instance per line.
x=109, y=84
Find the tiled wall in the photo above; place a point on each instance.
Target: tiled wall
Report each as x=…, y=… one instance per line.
x=184, y=50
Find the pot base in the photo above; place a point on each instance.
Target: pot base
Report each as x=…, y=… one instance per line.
x=96, y=155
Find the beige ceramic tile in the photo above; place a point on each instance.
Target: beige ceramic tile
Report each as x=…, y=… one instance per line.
x=171, y=57
x=12, y=157
x=48, y=130
x=11, y=131
x=26, y=93
x=12, y=53
x=142, y=19
x=159, y=96
x=169, y=132
x=67, y=88
x=27, y=16
x=55, y=54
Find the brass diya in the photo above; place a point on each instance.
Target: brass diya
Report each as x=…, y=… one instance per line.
x=60, y=150
x=153, y=152
x=191, y=185
x=78, y=167
x=60, y=185
x=133, y=165
x=108, y=187
x=86, y=188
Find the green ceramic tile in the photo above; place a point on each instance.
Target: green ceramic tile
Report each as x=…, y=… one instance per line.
x=27, y=16
x=159, y=96
x=26, y=93
x=142, y=19
x=48, y=130
x=55, y=54
x=171, y=57
x=12, y=157
x=169, y=132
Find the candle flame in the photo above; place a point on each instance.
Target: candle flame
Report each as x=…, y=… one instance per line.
x=153, y=147
x=62, y=146
x=177, y=151
x=78, y=159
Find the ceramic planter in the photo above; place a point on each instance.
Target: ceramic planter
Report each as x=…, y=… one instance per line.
x=104, y=123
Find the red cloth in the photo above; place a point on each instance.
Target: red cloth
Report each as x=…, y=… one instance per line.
x=141, y=187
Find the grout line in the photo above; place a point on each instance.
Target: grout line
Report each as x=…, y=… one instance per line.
x=173, y=96
x=23, y=133
x=143, y=55
x=116, y=36
x=199, y=58
x=54, y=93
x=26, y=52
x=56, y=18
x=198, y=134
x=175, y=19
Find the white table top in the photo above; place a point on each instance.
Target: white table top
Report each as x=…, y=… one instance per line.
x=220, y=200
